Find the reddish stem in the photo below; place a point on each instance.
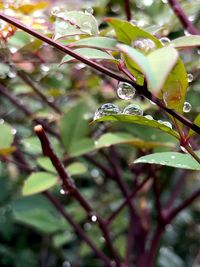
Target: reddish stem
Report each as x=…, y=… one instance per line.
x=142, y=90
x=176, y=7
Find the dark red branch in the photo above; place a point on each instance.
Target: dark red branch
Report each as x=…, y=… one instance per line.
x=127, y=6
x=16, y=102
x=182, y=206
x=140, y=89
x=78, y=229
x=188, y=26
x=125, y=202
x=71, y=188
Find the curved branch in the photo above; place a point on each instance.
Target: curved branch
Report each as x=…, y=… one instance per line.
x=141, y=90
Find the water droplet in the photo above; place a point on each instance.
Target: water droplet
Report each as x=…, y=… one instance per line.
x=190, y=77
x=80, y=66
x=147, y=2
x=133, y=109
x=187, y=33
x=134, y=22
x=165, y=41
x=63, y=25
x=13, y=49
x=141, y=23
x=149, y=117
x=102, y=239
x=12, y=74
x=93, y=218
x=144, y=45
x=1, y=121
x=165, y=1
x=89, y=10
x=191, y=18
x=44, y=67
x=152, y=103
x=173, y=157
x=125, y=91
x=13, y=131
x=167, y=123
x=187, y=107
x=66, y=264
x=87, y=226
x=63, y=192
x=95, y=173
x=86, y=27
x=198, y=52
x=106, y=109
x=183, y=149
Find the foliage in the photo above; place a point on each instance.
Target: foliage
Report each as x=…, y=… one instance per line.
x=67, y=181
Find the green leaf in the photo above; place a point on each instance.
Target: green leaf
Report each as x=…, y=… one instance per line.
x=139, y=120
x=110, y=139
x=127, y=32
x=75, y=23
x=76, y=168
x=197, y=122
x=186, y=41
x=172, y=159
x=97, y=42
x=73, y=127
x=152, y=64
x=81, y=147
x=38, y=182
x=175, y=88
x=90, y=53
x=6, y=139
x=46, y=164
x=41, y=219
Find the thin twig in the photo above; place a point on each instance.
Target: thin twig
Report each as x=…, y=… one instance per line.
x=71, y=188
x=127, y=6
x=77, y=228
x=13, y=99
x=125, y=202
x=67, y=50
x=35, y=88
x=188, y=26
x=182, y=206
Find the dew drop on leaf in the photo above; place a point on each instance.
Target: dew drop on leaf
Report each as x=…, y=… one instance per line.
x=133, y=109
x=13, y=131
x=106, y=109
x=125, y=91
x=165, y=41
x=167, y=123
x=190, y=77
x=187, y=107
x=149, y=117
x=144, y=45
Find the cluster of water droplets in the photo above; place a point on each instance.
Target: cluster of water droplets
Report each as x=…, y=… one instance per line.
x=145, y=45
x=125, y=91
